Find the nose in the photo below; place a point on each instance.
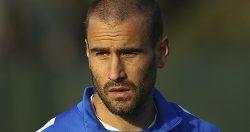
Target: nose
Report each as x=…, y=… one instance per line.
x=117, y=72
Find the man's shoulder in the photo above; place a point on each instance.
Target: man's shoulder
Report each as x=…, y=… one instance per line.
x=190, y=121
x=69, y=120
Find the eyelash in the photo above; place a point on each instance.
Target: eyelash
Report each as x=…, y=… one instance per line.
x=129, y=54
x=125, y=54
x=101, y=53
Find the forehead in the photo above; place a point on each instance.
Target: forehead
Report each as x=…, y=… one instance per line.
x=126, y=33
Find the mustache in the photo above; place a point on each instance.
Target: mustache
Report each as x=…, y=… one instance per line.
x=127, y=84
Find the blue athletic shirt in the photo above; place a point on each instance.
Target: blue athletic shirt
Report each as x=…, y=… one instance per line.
x=171, y=118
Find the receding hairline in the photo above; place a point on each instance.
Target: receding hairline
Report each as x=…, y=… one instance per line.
x=114, y=22
x=130, y=24
x=112, y=14
x=136, y=19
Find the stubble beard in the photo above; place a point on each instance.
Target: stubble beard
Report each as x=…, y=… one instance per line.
x=121, y=106
x=132, y=107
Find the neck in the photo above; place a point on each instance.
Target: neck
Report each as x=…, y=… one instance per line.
x=134, y=122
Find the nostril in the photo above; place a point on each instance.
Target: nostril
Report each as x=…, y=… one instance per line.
x=118, y=80
x=118, y=76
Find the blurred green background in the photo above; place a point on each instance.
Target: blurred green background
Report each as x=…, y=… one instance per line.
x=43, y=70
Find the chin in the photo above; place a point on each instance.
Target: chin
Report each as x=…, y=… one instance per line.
x=122, y=107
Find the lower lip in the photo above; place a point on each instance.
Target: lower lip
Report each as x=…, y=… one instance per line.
x=120, y=94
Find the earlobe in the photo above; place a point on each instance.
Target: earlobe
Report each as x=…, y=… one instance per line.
x=87, y=51
x=165, y=46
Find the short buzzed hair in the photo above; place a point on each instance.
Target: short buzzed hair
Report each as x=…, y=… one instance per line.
x=120, y=10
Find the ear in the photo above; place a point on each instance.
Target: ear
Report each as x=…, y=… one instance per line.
x=87, y=52
x=162, y=52
x=87, y=47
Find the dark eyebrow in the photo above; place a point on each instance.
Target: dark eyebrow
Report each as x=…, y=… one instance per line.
x=99, y=49
x=121, y=50
x=132, y=50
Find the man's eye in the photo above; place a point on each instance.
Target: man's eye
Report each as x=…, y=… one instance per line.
x=101, y=54
x=129, y=54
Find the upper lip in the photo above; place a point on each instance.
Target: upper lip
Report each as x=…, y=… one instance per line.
x=118, y=89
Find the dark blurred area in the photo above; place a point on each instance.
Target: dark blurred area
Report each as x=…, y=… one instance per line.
x=43, y=68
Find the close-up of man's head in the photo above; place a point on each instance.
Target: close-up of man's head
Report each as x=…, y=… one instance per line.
x=124, y=49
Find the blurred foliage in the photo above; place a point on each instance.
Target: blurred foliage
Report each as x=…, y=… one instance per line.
x=43, y=70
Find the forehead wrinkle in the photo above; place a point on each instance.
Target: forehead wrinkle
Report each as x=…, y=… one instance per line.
x=107, y=32
x=108, y=39
x=112, y=35
x=115, y=36
x=107, y=29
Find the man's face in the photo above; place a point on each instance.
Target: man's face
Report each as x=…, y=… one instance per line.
x=122, y=62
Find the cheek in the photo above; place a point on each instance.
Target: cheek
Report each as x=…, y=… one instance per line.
x=140, y=69
x=98, y=71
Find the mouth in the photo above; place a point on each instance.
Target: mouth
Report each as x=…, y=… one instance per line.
x=118, y=89
x=120, y=92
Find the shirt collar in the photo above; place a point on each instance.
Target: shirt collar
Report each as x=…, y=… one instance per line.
x=167, y=117
x=90, y=121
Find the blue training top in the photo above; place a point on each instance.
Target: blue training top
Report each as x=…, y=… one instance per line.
x=171, y=118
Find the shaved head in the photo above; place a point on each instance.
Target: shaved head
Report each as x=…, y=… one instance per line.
x=115, y=12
